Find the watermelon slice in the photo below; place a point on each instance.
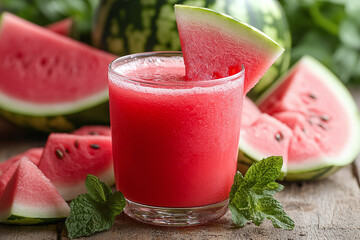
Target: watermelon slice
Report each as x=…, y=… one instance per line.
x=32, y=154
x=68, y=158
x=273, y=136
x=251, y=114
x=215, y=45
x=93, y=130
x=322, y=116
x=62, y=27
x=58, y=77
x=28, y=197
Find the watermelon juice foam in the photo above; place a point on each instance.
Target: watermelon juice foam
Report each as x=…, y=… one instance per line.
x=175, y=142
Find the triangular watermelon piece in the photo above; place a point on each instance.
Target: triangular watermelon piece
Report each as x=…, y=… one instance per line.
x=28, y=197
x=33, y=154
x=62, y=27
x=216, y=45
x=69, y=158
x=47, y=74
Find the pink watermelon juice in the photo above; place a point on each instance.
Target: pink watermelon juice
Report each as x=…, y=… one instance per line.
x=175, y=142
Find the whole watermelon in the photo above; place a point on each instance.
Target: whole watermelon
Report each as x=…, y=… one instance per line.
x=131, y=26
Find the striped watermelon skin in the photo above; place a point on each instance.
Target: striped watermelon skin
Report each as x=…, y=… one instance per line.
x=124, y=27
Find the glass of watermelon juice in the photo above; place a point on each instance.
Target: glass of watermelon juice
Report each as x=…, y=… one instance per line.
x=175, y=142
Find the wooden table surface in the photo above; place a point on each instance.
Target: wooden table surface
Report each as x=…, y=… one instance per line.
x=325, y=209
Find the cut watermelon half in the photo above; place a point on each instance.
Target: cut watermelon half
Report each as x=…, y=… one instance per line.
x=215, y=45
x=47, y=75
x=32, y=154
x=28, y=197
x=69, y=158
x=322, y=115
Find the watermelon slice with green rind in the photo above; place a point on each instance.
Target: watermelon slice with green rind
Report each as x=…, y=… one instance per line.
x=33, y=154
x=69, y=158
x=47, y=78
x=322, y=115
x=28, y=197
x=215, y=45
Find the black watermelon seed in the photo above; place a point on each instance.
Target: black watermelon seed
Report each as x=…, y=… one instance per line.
x=278, y=136
x=313, y=96
x=59, y=153
x=76, y=144
x=93, y=133
x=324, y=117
x=94, y=146
x=322, y=126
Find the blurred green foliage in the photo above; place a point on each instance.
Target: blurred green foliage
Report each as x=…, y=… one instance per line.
x=329, y=30
x=44, y=12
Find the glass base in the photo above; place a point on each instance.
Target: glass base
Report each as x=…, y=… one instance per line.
x=175, y=217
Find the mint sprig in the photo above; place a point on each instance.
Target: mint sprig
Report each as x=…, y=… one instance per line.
x=251, y=196
x=94, y=211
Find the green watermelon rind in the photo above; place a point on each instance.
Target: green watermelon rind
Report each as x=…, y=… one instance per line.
x=302, y=171
x=13, y=105
x=23, y=220
x=245, y=161
x=97, y=115
x=230, y=24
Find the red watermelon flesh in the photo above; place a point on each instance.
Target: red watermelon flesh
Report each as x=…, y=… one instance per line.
x=250, y=113
x=28, y=193
x=215, y=46
x=267, y=136
x=68, y=158
x=62, y=27
x=93, y=130
x=50, y=68
x=305, y=138
x=33, y=154
x=323, y=116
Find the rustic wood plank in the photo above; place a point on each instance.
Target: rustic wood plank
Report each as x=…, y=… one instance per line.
x=11, y=232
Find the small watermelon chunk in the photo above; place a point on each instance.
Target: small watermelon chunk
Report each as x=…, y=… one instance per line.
x=32, y=154
x=265, y=137
x=93, y=130
x=216, y=45
x=62, y=27
x=28, y=197
x=68, y=158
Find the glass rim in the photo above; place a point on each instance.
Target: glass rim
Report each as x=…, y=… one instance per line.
x=217, y=81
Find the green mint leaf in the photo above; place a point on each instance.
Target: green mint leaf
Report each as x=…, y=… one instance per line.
x=251, y=196
x=98, y=190
x=94, y=211
x=264, y=172
x=117, y=203
x=238, y=179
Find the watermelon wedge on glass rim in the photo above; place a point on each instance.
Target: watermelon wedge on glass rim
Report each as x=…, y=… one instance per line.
x=50, y=82
x=215, y=45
